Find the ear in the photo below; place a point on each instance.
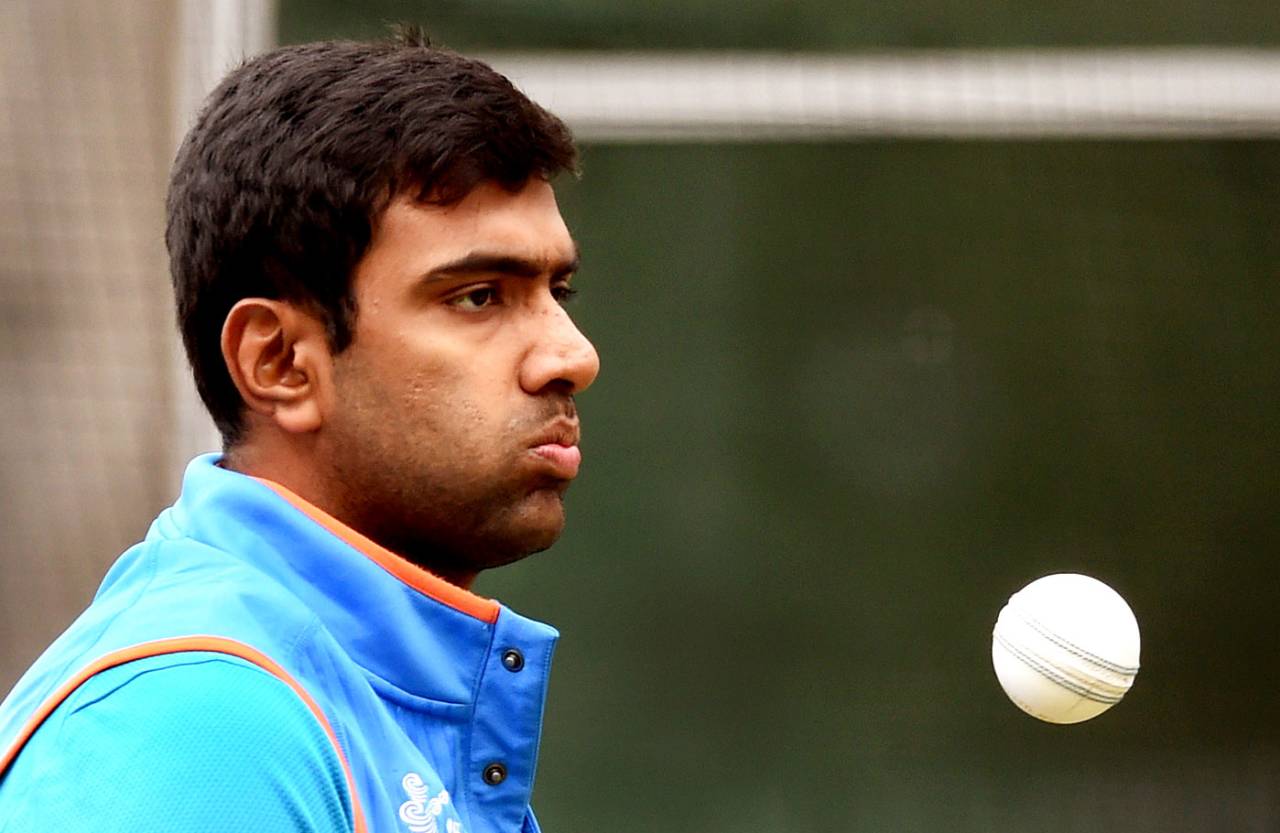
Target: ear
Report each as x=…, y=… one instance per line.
x=278, y=356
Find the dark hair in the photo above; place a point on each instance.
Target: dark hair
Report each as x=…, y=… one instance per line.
x=277, y=187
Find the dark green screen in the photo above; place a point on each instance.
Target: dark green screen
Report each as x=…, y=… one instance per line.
x=854, y=396
x=786, y=25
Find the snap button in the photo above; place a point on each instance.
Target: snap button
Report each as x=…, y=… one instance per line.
x=495, y=774
x=512, y=660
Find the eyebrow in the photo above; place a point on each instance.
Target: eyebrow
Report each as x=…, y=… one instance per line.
x=489, y=263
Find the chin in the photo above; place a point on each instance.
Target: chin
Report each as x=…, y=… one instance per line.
x=538, y=538
x=535, y=529
x=511, y=551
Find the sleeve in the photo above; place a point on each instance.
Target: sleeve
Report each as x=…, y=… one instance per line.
x=201, y=742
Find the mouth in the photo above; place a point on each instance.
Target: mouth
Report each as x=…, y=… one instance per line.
x=558, y=449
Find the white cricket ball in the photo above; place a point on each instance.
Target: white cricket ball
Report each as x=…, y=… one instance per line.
x=1065, y=648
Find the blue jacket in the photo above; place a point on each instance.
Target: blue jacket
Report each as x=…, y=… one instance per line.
x=253, y=651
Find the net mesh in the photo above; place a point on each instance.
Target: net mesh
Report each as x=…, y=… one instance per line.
x=83, y=381
x=91, y=97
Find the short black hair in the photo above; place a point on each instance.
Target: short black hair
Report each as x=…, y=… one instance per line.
x=280, y=182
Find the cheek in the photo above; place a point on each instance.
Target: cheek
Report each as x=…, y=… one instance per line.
x=388, y=371
x=461, y=415
x=443, y=404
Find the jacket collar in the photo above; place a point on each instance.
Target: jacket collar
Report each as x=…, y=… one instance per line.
x=404, y=625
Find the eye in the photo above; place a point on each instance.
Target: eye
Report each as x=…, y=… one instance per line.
x=475, y=299
x=563, y=293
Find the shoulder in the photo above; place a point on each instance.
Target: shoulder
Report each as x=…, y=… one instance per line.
x=193, y=741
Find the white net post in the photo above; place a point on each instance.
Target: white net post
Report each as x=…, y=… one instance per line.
x=215, y=36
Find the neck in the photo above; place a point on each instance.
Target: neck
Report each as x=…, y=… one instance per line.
x=310, y=486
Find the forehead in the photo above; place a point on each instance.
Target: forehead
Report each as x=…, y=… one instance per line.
x=412, y=236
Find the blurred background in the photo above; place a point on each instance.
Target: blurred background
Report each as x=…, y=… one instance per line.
x=900, y=307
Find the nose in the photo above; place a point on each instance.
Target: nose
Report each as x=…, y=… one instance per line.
x=560, y=355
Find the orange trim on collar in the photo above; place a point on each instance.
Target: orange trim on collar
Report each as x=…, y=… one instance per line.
x=486, y=610
x=183, y=644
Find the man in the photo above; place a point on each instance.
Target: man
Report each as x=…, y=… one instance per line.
x=370, y=269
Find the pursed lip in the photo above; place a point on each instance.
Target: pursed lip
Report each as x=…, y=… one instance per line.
x=558, y=447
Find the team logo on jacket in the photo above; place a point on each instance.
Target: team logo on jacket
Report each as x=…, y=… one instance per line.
x=421, y=813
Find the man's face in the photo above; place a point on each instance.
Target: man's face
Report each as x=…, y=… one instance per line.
x=452, y=434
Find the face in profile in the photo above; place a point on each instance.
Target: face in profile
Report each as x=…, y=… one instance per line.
x=453, y=433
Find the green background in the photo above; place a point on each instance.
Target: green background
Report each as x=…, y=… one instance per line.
x=792, y=25
x=853, y=397
x=856, y=394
